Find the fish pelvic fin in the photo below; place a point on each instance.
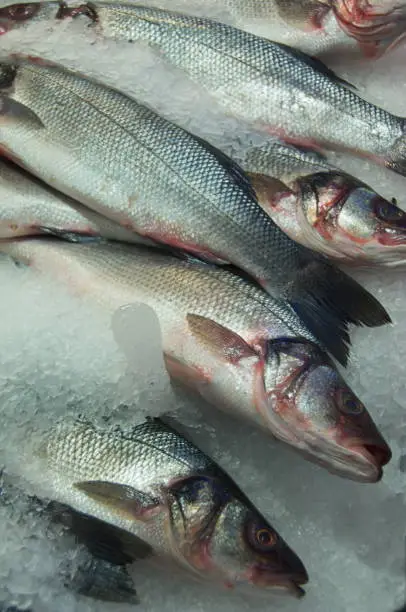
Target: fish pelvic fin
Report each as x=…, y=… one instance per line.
x=328, y=300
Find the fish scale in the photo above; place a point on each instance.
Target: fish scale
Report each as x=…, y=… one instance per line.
x=259, y=80
x=126, y=162
x=31, y=207
x=88, y=454
x=243, y=351
x=152, y=483
x=122, y=148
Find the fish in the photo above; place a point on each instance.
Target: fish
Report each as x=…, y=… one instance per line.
x=225, y=339
x=270, y=85
x=326, y=209
x=30, y=207
x=370, y=28
x=153, y=483
x=129, y=164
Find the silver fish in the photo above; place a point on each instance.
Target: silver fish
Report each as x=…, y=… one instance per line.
x=280, y=89
x=29, y=207
x=240, y=349
x=326, y=209
x=131, y=165
x=152, y=482
x=372, y=27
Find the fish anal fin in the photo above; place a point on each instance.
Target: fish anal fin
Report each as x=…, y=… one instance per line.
x=220, y=340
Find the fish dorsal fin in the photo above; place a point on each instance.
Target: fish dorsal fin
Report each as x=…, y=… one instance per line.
x=220, y=340
x=168, y=422
x=316, y=64
x=231, y=166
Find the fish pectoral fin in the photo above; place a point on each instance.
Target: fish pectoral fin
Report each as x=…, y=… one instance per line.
x=267, y=187
x=133, y=503
x=220, y=340
x=12, y=111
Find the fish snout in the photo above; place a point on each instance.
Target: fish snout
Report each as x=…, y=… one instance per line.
x=288, y=574
x=369, y=458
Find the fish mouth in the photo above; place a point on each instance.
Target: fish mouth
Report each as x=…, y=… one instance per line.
x=370, y=458
x=284, y=582
x=394, y=236
x=354, y=459
x=287, y=576
x=367, y=460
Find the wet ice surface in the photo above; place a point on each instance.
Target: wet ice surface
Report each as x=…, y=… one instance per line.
x=60, y=356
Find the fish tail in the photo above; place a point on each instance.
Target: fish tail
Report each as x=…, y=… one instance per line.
x=396, y=159
x=328, y=300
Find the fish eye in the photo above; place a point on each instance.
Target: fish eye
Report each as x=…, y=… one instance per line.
x=349, y=403
x=20, y=12
x=387, y=211
x=261, y=538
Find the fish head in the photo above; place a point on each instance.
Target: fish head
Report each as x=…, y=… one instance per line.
x=219, y=533
x=377, y=25
x=307, y=404
x=352, y=220
x=17, y=16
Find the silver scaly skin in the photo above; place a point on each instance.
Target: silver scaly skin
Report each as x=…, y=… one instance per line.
x=326, y=209
x=241, y=350
x=269, y=84
x=124, y=161
x=151, y=482
x=29, y=207
x=372, y=27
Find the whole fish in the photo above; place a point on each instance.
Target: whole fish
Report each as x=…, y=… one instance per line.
x=241, y=350
x=29, y=207
x=275, y=87
x=152, y=482
x=368, y=28
x=131, y=165
x=326, y=209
